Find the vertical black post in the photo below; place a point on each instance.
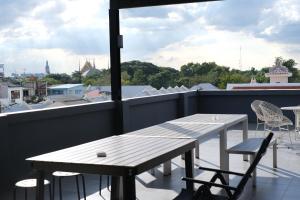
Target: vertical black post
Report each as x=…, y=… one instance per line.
x=189, y=169
x=115, y=64
x=115, y=55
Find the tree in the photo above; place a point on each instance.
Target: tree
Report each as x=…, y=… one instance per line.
x=290, y=64
x=139, y=78
x=76, y=77
x=61, y=78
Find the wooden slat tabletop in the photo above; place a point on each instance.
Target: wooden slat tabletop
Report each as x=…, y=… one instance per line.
x=178, y=130
x=134, y=154
x=225, y=119
x=195, y=126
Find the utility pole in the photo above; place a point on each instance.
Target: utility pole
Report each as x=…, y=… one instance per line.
x=240, y=59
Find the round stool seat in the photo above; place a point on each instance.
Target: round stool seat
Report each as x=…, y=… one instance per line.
x=28, y=183
x=60, y=173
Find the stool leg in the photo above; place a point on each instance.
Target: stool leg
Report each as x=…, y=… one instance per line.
x=108, y=182
x=50, y=192
x=15, y=193
x=26, y=194
x=59, y=184
x=100, y=184
x=53, y=191
x=77, y=186
x=83, y=186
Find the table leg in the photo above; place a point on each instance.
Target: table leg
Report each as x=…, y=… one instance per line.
x=224, y=157
x=129, y=188
x=167, y=168
x=123, y=188
x=116, y=188
x=245, y=136
x=189, y=169
x=40, y=185
x=197, y=150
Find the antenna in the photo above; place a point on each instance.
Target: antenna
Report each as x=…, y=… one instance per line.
x=240, y=60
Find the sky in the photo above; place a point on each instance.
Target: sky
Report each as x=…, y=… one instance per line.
x=237, y=33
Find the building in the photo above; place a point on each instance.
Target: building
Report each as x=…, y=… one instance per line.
x=76, y=90
x=89, y=69
x=263, y=86
x=128, y=91
x=278, y=73
x=204, y=86
x=11, y=94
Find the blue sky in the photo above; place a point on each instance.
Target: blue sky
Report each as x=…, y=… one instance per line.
x=67, y=32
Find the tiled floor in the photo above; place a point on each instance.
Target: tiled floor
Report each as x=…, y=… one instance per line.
x=282, y=183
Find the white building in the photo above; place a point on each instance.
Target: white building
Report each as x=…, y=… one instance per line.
x=67, y=90
x=11, y=95
x=278, y=73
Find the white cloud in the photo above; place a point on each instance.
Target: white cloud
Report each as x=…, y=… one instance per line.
x=66, y=31
x=223, y=48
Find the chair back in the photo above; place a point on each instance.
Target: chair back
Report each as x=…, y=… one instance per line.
x=262, y=150
x=271, y=112
x=257, y=110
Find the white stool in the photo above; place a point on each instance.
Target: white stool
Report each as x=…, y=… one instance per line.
x=29, y=183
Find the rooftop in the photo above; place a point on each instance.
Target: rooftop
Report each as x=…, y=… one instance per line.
x=276, y=184
x=65, y=86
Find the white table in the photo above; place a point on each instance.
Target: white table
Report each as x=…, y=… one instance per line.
x=296, y=110
x=197, y=126
x=126, y=158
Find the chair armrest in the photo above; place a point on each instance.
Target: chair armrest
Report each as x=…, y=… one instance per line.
x=226, y=187
x=221, y=171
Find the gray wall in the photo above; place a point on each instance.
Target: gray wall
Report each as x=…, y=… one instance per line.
x=25, y=134
x=239, y=101
x=143, y=112
x=30, y=133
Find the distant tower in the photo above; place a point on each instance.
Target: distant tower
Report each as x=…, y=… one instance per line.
x=94, y=65
x=1, y=70
x=47, y=68
x=240, y=60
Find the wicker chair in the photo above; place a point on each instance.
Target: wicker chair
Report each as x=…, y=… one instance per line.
x=274, y=118
x=259, y=115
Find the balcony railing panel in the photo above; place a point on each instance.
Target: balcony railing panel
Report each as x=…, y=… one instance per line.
x=25, y=134
x=239, y=101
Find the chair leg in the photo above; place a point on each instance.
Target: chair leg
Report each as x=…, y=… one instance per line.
x=100, y=184
x=83, y=186
x=290, y=136
x=15, y=193
x=53, y=185
x=60, y=189
x=77, y=186
x=252, y=157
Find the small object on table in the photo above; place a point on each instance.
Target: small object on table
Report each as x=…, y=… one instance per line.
x=101, y=154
